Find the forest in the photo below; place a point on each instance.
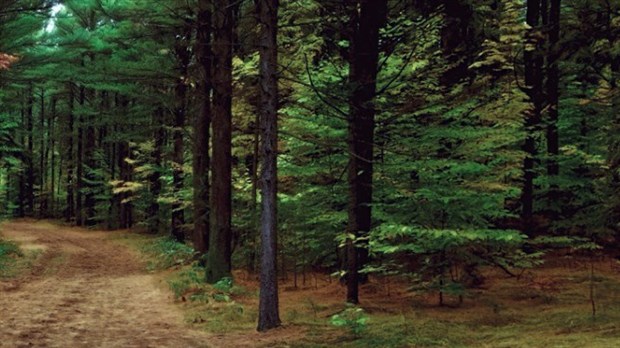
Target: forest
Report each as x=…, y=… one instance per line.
x=266, y=173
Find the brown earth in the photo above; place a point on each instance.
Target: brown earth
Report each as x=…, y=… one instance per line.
x=84, y=290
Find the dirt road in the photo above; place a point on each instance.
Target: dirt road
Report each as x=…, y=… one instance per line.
x=86, y=291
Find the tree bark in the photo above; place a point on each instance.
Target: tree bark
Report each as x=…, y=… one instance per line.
x=219, y=257
x=91, y=164
x=29, y=211
x=361, y=121
x=52, y=148
x=183, y=54
x=204, y=56
x=268, y=315
x=534, y=87
x=614, y=138
x=21, y=182
x=79, y=213
x=43, y=194
x=70, y=212
x=457, y=40
x=553, y=97
x=155, y=177
x=125, y=207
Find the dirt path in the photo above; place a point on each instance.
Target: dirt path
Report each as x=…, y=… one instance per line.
x=86, y=291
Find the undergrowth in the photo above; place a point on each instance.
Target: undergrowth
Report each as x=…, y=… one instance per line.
x=9, y=254
x=166, y=253
x=523, y=312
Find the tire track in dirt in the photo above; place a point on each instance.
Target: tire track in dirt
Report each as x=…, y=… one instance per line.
x=86, y=291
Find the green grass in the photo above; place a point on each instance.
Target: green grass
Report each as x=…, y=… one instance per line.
x=165, y=253
x=10, y=254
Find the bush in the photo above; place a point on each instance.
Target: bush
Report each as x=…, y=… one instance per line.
x=352, y=318
x=9, y=251
x=169, y=253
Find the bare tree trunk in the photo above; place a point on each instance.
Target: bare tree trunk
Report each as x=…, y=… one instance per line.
x=21, y=182
x=79, y=214
x=534, y=85
x=268, y=315
x=125, y=207
x=155, y=177
x=457, y=40
x=70, y=212
x=614, y=139
x=204, y=56
x=361, y=120
x=553, y=98
x=30, y=153
x=43, y=194
x=89, y=160
x=183, y=54
x=52, y=148
x=220, y=235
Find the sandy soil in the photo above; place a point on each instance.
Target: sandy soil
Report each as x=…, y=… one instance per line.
x=86, y=291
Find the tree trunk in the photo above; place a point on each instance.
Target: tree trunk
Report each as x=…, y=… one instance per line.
x=183, y=55
x=219, y=257
x=91, y=164
x=361, y=120
x=79, y=214
x=30, y=154
x=204, y=56
x=70, y=212
x=614, y=133
x=155, y=177
x=21, y=182
x=43, y=153
x=553, y=79
x=457, y=40
x=125, y=207
x=52, y=148
x=534, y=84
x=268, y=315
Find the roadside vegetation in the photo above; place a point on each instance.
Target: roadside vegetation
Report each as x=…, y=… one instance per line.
x=551, y=305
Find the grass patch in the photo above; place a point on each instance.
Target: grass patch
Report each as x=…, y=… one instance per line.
x=213, y=306
x=10, y=254
x=166, y=253
x=160, y=252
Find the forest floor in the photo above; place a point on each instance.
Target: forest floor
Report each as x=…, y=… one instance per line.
x=81, y=288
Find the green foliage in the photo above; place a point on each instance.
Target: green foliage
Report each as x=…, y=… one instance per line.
x=187, y=281
x=447, y=260
x=354, y=319
x=9, y=252
x=190, y=284
x=168, y=253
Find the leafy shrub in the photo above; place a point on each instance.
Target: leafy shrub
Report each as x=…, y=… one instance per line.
x=188, y=281
x=446, y=259
x=191, y=283
x=8, y=252
x=168, y=253
x=352, y=318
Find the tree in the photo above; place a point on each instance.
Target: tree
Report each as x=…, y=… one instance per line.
x=204, y=57
x=533, y=59
x=220, y=234
x=268, y=315
x=361, y=120
x=553, y=98
x=183, y=53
